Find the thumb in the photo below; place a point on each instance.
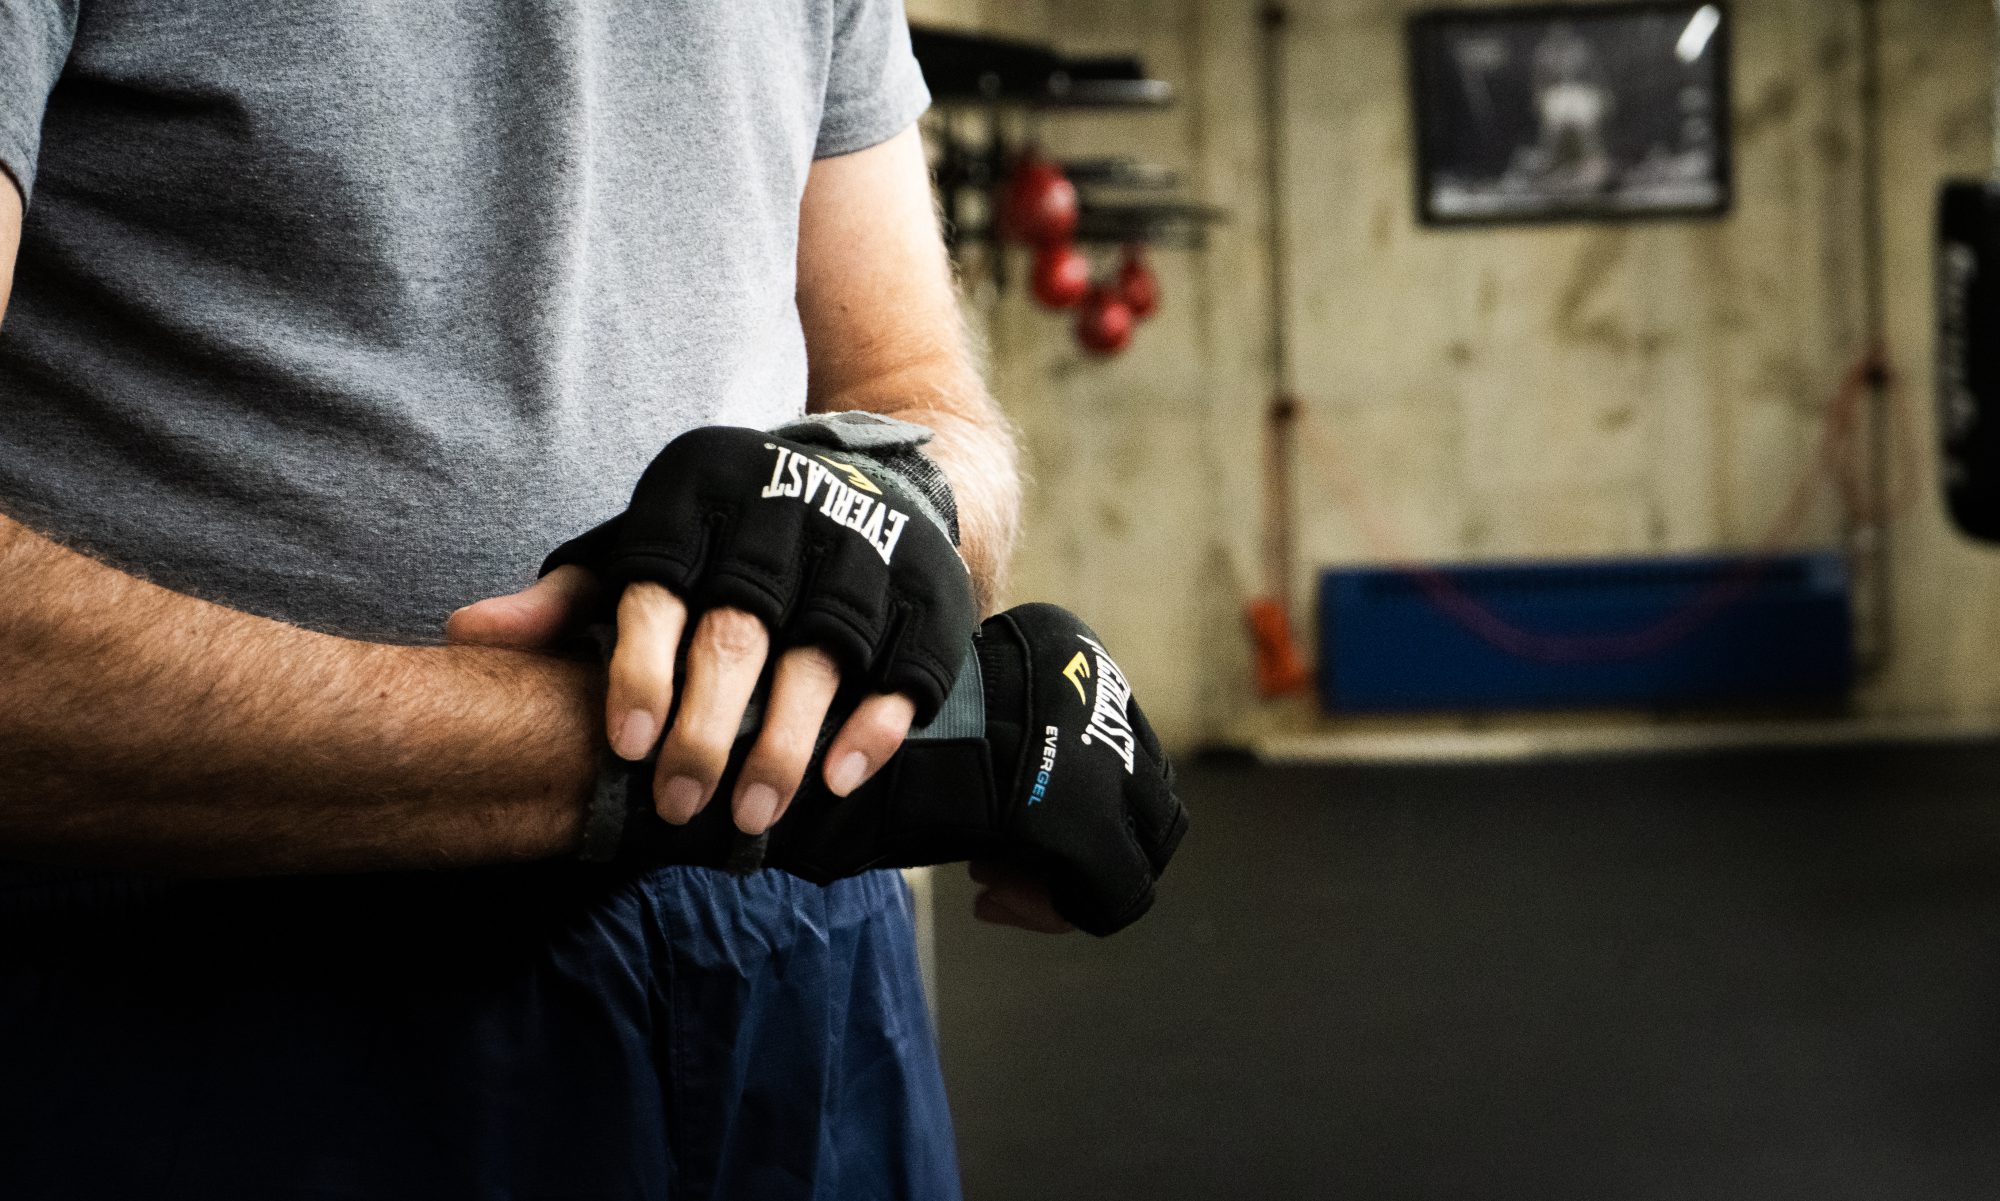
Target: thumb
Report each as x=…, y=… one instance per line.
x=529, y=619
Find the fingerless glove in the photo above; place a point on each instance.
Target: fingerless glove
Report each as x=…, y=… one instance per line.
x=1040, y=758
x=821, y=543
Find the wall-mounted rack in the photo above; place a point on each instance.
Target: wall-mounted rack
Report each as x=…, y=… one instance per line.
x=985, y=87
x=964, y=68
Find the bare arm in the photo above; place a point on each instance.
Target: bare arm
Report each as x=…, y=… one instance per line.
x=142, y=727
x=10, y=236
x=884, y=333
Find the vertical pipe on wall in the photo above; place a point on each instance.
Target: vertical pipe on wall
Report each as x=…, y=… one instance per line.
x=1279, y=541
x=1872, y=533
x=1281, y=669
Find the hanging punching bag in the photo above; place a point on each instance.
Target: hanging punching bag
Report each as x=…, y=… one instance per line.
x=1968, y=352
x=1968, y=346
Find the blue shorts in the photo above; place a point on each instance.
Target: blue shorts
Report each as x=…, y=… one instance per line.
x=526, y=1034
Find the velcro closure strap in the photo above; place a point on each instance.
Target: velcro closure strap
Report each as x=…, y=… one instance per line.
x=946, y=805
x=963, y=714
x=892, y=444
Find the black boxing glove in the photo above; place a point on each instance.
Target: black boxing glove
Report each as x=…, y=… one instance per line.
x=817, y=539
x=1039, y=758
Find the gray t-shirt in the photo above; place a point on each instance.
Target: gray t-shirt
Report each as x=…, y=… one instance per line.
x=346, y=311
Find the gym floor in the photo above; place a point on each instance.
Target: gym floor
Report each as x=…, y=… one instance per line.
x=1754, y=975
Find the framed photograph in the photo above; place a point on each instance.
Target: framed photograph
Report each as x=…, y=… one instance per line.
x=1571, y=112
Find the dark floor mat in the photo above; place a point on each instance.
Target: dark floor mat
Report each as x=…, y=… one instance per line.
x=1754, y=976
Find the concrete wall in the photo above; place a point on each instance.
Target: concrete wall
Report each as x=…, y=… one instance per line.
x=1502, y=393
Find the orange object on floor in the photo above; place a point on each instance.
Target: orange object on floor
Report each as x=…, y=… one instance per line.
x=1281, y=670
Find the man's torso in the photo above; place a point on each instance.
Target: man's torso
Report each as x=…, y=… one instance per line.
x=344, y=312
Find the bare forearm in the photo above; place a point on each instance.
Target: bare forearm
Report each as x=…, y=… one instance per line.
x=884, y=332
x=979, y=460
x=146, y=728
x=974, y=447
x=10, y=235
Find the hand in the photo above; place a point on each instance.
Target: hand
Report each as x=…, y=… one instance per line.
x=751, y=535
x=1061, y=795
x=1049, y=779
x=726, y=655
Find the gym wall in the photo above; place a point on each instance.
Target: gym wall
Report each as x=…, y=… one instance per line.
x=1486, y=394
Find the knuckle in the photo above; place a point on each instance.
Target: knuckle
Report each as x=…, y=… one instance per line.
x=813, y=665
x=885, y=720
x=636, y=673
x=647, y=602
x=732, y=634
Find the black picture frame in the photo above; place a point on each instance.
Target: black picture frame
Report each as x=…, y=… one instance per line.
x=1571, y=112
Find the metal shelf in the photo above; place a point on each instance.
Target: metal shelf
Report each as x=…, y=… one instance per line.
x=963, y=69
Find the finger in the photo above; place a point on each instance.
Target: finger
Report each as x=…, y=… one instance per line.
x=992, y=909
x=1015, y=898
x=873, y=733
x=1003, y=909
x=533, y=617
x=986, y=909
x=724, y=659
x=650, y=622
x=802, y=689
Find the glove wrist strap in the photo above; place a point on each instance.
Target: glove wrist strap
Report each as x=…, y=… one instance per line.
x=893, y=445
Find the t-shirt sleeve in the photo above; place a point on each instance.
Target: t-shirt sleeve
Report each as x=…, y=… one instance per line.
x=874, y=89
x=35, y=37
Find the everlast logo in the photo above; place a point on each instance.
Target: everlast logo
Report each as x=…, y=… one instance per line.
x=1041, y=788
x=837, y=488
x=1108, y=722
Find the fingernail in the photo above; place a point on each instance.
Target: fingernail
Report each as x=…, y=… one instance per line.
x=846, y=776
x=757, y=808
x=635, y=736
x=679, y=798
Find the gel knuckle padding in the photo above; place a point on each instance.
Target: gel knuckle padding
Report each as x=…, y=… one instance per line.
x=1097, y=868
x=674, y=568
x=909, y=666
x=839, y=635
x=934, y=624
x=755, y=565
x=673, y=556
x=843, y=606
x=690, y=490
x=1158, y=819
x=669, y=530
x=934, y=611
x=887, y=594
